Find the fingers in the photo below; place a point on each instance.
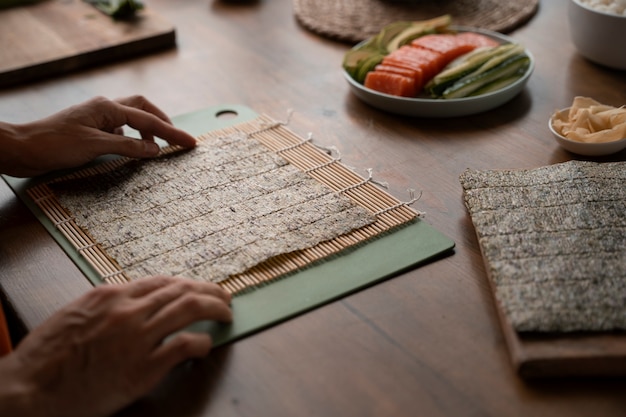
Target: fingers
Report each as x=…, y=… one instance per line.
x=144, y=286
x=83, y=132
x=150, y=121
x=183, y=346
x=169, y=304
x=110, y=143
x=185, y=310
x=162, y=305
x=138, y=113
x=104, y=296
x=142, y=103
x=172, y=287
x=147, y=123
x=179, y=287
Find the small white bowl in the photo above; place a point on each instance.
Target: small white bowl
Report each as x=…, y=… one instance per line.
x=585, y=148
x=598, y=36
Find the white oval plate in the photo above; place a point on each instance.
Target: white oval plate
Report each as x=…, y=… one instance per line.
x=430, y=107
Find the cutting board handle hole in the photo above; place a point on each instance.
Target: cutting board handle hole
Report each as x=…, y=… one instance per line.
x=226, y=114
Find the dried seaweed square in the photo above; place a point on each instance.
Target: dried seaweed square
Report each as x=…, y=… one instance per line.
x=207, y=213
x=554, y=243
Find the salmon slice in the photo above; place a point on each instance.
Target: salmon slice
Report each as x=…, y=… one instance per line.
x=390, y=83
x=416, y=66
x=476, y=40
x=446, y=44
x=431, y=62
x=407, y=71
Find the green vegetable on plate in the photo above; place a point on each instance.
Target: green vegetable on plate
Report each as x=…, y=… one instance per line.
x=472, y=73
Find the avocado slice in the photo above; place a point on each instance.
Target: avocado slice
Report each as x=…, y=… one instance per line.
x=354, y=57
x=367, y=66
x=418, y=29
x=389, y=32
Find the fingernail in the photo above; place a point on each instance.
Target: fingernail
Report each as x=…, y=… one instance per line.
x=151, y=148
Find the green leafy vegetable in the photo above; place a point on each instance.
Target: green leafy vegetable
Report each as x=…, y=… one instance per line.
x=117, y=8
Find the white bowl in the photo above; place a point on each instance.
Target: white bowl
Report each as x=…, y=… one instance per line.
x=598, y=36
x=440, y=108
x=585, y=148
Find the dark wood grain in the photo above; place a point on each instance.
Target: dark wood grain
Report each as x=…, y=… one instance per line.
x=427, y=342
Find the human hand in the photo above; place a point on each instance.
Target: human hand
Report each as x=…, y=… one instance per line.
x=79, y=134
x=107, y=349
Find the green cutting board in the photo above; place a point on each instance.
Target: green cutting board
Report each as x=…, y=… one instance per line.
x=259, y=308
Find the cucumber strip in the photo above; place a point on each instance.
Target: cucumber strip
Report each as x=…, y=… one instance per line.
x=479, y=54
x=498, y=84
x=464, y=66
x=516, y=50
x=467, y=85
x=476, y=58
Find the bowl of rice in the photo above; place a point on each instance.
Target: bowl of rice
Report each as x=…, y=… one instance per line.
x=598, y=30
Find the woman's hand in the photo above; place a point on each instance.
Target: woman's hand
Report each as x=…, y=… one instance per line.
x=79, y=134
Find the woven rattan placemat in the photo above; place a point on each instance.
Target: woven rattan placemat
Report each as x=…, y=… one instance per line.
x=356, y=20
x=554, y=243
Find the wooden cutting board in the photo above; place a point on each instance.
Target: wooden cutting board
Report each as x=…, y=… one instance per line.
x=57, y=36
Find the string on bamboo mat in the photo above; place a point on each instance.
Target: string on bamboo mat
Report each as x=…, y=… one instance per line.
x=252, y=203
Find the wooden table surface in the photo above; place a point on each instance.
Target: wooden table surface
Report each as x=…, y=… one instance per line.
x=424, y=343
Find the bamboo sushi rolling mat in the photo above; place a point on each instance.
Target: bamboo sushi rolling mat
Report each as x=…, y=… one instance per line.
x=387, y=212
x=356, y=20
